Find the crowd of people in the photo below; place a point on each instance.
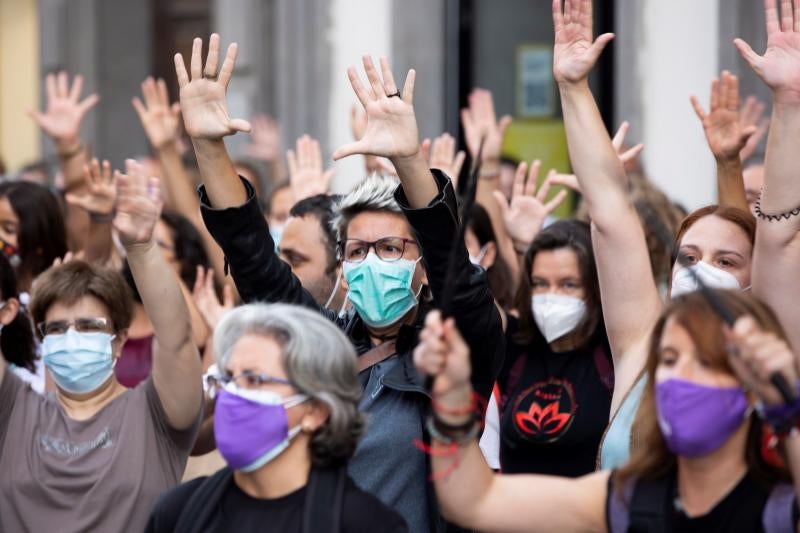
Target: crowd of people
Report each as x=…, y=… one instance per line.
x=193, y=344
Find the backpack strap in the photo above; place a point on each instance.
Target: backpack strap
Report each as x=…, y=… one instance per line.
x=203, y=502
x=322, y=510
x=778, y=514
x=648, y=511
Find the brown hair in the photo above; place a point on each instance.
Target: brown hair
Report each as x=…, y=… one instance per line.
x=650, y=457
x=573, y=235
x=743, y=219
x=68, y=283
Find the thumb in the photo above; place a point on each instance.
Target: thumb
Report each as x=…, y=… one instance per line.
x=502, y=203
x=748, y=132
x=240, y=124
x=349, y=149
x=504, y=122
x=327, y=176
x=747, y=53
x=227, y=296
x=35, y=115
x=599, y=44
x=77, y=201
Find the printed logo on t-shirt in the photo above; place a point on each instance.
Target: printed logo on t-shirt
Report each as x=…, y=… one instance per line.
x=66, y=448
x=544, y=412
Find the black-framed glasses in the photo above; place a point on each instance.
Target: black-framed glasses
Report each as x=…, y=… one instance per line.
x=245, y=380
x=387, y=249
x=82, y=325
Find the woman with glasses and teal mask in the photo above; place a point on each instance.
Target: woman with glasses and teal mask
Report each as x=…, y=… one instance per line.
x=395, y=242
x=93, y=455
x=286, y=421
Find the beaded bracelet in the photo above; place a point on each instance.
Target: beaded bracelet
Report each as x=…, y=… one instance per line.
x=773, y=218
x=435, y=432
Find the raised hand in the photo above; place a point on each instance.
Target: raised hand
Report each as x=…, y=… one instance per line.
x=101, y=191
x=525, y=214
x=443, y=354
x=779, y=67
x=574, y=52
x=725, y=133
x=205, y=110
x=205, y=297
x=443, y=156
x=391, y=124
x=751, y=115
x=618, y=142
x=306, y=175
x=265, y=142
x=61, y=121
x=758, y=354
x=480, y=122
x=161, y=121
x=139, y=204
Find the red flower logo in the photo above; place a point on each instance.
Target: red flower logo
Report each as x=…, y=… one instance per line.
x=538, y=420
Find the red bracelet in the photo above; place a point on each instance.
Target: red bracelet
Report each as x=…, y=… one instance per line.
x=473, y=407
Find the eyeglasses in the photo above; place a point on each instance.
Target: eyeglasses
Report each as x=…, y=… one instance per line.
x=388, y=248
x=82, y=325
x=246, y=380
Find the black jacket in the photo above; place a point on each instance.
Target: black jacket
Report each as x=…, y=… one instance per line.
x=261, y=276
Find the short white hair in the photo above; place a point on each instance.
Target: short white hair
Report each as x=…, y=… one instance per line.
x=375, y=193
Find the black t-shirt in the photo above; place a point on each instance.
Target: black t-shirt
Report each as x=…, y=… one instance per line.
x=742, y=509
x=238, y=512
x=554, y=406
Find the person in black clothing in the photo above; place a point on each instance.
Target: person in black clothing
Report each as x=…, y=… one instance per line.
x=393, y=241
x=557, y=376
x=286, y=422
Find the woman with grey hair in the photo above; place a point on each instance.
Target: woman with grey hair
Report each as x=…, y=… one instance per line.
x=286, y=421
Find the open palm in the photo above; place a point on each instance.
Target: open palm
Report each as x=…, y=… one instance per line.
x=574, y=52
x=65, y=111
x=725, y=133
x=139, y=204
x=391, y=124
x=161, y=121
x=779, y=67
x=101, y=191
x=203, y=102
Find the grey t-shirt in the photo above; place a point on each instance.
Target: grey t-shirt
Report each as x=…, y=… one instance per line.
x=101, y=474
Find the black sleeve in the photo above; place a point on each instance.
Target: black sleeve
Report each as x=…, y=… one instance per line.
x=436, y=227
x=243, y=234
x=363, y=513
x=167, y=510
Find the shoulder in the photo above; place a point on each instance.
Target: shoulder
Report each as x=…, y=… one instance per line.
x=364, y=512
x=168, y=508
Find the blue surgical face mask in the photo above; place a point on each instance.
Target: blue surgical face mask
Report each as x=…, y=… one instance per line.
x=79, y=362
x=381, y=290
x=276, y=232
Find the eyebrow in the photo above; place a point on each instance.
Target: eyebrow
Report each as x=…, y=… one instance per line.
x=716, y=252
x=292, y=251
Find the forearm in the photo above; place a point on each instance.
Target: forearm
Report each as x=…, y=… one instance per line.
x=71, y=160
x=781, y=187
x=218, y=174
x=100, y=244
x=505, y=246
x=596, y=164
x=416, y=178
x=730, y=184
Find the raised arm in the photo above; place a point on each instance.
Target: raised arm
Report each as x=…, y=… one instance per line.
x=727, y=137
x=628, y=291
x=205, y=117
x=777, y=250
x=61, y=121
x=469, y=493
x=161, y=122
x=307, y=176
x=98, y=201
x=176, y=363
x=392, y=130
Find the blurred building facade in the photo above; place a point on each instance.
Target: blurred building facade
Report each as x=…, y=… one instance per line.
x=294, y=53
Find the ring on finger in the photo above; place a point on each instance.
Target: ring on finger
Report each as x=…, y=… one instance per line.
x=396, y=93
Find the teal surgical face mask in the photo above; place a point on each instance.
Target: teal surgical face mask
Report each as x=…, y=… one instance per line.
x=381, y=290
x=79, y=362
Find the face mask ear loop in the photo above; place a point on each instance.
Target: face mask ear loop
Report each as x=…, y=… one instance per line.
x=335, y=288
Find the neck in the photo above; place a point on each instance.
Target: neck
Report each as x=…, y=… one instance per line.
x=567, y=343
x=381, y=335
x=704, y=481
x=283, y=475
x=83, y=407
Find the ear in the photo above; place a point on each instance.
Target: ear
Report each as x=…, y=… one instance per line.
x=119, y=341
x=9, y=311
x=489, y=255
x=423, y=273
x=316, y=415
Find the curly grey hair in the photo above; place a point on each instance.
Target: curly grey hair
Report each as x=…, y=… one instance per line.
x=319, y=360
x=376, y=193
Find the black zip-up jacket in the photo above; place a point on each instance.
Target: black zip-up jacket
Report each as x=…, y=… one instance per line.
x=261, y=276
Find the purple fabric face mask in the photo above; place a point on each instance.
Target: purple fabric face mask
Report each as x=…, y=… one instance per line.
x=251, y=427
x=697, y=419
